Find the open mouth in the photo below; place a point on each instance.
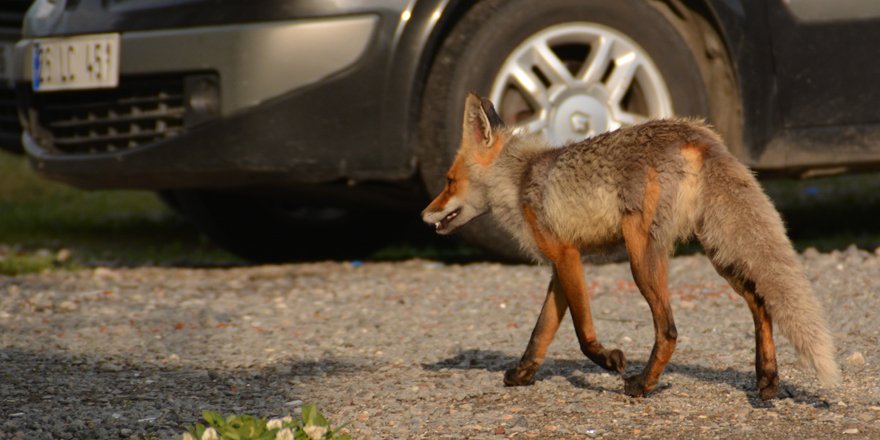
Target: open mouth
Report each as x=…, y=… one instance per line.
x=443, y=223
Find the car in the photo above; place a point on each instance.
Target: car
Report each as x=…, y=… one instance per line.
x=11, y=15
x=285, y=127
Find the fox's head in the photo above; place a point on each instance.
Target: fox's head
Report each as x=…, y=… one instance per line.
x=464, y=197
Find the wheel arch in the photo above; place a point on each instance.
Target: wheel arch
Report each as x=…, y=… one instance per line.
x=430, y=21
x=743, y=33
x=422, y=29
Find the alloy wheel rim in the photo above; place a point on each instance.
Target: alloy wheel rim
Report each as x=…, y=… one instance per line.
x=575, y=80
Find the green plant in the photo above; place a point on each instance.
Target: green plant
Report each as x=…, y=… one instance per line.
x=311, y=426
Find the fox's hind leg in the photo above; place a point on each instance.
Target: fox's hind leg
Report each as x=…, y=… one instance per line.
x=552, y=313
x=765, y=350
x=649, y=267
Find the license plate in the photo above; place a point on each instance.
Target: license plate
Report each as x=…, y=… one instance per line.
x=82, y=62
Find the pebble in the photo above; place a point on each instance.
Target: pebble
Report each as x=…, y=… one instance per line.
x=67, y=306
x=110, y=367
x=63, y=255
x=856, y=359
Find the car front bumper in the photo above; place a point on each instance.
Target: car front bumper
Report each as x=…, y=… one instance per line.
x=264, y=72
x=255, y=62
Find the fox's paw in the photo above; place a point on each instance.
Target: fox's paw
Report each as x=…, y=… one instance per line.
x=768, y=386
x=611, y=360
x=635, y=386
x=616, y=361
x=517, y=377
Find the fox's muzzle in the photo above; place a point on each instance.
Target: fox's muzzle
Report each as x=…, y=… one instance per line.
x=442, y=215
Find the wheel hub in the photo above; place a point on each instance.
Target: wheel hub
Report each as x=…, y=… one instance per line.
x=578, y=114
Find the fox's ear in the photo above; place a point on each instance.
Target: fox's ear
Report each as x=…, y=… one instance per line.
x=480, y=121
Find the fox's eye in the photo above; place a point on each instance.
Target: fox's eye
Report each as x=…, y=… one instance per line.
x=449, y=181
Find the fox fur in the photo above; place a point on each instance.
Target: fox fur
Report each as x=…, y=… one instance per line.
x=648, y=186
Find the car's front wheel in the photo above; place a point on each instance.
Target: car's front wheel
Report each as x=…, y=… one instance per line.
x=569, y=69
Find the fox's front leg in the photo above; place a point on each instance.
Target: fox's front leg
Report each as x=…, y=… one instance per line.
x=552, y=313
x=568, y=279
x=569, y=271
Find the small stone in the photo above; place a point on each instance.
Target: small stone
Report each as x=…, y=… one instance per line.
x=865, y=417
x=851, y=431
x=500, y=430
x=811, y=253
x=67, y=306
x=62, y=256
x=102, y=272
x=110, y=367
x=856, y=359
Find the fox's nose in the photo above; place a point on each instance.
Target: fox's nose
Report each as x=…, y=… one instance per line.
x=426, y=213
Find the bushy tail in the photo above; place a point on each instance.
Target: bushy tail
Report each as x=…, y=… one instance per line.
x=743, y=234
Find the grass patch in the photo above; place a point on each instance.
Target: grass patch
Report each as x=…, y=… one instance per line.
x=831, y=212
x=27, y=263
x=96, y=227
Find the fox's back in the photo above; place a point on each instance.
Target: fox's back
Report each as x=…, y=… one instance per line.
x=582, y=190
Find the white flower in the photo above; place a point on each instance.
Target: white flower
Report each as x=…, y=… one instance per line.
x=188, y=436
x=284, y=434
x=210, y=434
x=274, y=424
x=315, y=432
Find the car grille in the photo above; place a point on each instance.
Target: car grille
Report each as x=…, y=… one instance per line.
x=139, y=111
x=11, y=16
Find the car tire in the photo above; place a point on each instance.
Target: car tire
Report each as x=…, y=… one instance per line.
x=486, y=36
x=269, y=231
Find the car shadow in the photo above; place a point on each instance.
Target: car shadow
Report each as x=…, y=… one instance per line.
x=577, y=371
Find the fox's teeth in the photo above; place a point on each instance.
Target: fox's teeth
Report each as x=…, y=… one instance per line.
x=437, y=225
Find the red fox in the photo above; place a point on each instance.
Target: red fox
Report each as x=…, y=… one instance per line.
x=647, y=186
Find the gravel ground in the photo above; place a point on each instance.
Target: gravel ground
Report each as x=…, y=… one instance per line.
x=411, y=349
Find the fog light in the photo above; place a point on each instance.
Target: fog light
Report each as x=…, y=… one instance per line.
x=202, y=99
